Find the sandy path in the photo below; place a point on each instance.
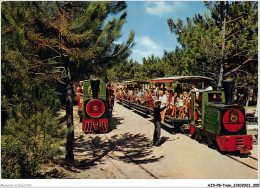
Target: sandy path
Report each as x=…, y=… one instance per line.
x=179, y=157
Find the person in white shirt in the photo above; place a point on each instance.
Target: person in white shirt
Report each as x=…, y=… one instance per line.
x=180, y=104
x=208, y=87
x=193, y=88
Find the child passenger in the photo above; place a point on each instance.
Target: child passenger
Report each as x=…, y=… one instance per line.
x=180, y=104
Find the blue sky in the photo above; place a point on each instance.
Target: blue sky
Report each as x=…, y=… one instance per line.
x=149, y=21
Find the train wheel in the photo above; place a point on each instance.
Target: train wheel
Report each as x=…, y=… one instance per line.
x=198, y=137
x=211, y=143
x=204, y=140
x=182, y=129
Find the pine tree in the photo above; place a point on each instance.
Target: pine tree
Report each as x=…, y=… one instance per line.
x=73, y=35
x=44, y=43
x=30, y=134
x=227, y=36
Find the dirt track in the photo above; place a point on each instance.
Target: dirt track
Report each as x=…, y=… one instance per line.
x=126, y=152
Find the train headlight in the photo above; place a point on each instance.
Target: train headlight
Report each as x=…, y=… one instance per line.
x=233, y=116
x=95, y=108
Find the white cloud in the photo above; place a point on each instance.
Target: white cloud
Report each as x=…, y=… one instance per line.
x=145, y=47
x=161, y=8
x=157, y=8
x=148, y=43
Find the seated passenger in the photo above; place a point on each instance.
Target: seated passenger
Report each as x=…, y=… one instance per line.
x=150, y=100
x=154, y=95
x=180, y=104
x=193, y=88
x=185, y=95
x=208, y=87
x=172, y=105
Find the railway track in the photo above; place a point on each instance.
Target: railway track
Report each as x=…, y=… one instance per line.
x=246, y=161
x=119, y=149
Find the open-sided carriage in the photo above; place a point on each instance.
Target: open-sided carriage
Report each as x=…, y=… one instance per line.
x=136, y=93
x=179, y=85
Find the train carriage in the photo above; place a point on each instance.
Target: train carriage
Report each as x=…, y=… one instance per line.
x=174, y=120
x=96, y=107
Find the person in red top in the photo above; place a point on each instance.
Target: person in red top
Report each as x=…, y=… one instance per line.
x=80, y=99
x=80, y=89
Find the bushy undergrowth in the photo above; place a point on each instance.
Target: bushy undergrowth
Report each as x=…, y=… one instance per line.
x=29, y=139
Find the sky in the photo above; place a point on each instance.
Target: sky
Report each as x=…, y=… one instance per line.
x=149, y=21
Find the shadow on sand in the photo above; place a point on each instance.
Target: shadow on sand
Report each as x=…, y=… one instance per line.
x=127, y=147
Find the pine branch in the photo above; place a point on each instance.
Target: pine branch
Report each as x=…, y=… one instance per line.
x=51, y=58
x=240, y=66
x=51, y=48
x=230, y=21
x=237, y=32
x=238, y=54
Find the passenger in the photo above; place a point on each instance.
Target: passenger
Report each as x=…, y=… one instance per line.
x=150, y=100
x=187, y=102
x=193, y=88
x=157, y=122
x=170, y=96
x=164, y=101
x=154, y=95
x=185, y=95
x=139, y=96
x=135, y=97
x=142, y=98
x=156, y=91
x=80, y=89
x=173, y=103
x=180, y=104
x=120, y=93
x=163, y=87
x=208, y=87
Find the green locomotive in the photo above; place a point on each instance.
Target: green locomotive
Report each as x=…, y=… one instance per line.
x=96, y=107
x=215, y=120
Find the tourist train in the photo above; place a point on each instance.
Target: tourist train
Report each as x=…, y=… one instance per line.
x=204, y=113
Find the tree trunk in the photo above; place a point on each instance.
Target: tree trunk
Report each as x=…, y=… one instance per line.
x=69, y=114
x=221, y=72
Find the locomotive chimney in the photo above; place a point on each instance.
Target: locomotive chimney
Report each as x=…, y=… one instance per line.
x=228, y=86
x=95, y=88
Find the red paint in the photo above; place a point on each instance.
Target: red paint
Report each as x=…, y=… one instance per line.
x=233, y=120
x=240, y=143
x=196, y=116
x=95, y=108
x=80, y=100
x=192, y=129
x=89, y=125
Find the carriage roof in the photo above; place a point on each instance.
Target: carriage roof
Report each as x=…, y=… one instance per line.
x=182, y=78
x=137, y=81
